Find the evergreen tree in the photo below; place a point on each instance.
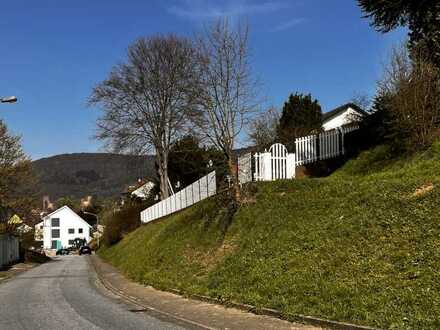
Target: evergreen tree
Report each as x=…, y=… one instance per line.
x=301, y=116
x=189, y=161
x=422, y=17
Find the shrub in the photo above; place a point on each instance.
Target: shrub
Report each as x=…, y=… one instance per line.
x=411, y=89
x=120, y=223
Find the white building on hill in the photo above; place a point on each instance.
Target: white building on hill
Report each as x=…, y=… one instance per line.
x=60, y=228
x=342, y=116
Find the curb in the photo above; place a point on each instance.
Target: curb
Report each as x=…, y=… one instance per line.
x=231, y=304
x=9, y=277
x=311, y=320
x=137, y=302
x=5, y=279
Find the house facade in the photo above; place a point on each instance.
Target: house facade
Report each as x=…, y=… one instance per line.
x=60, y=228
x=144, y=191
x=342, y=116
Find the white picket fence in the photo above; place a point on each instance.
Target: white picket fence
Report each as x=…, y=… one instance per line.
x=325, y=145
x=9, y=250
x=194, y=193
x=277, y=163
x=306, y=148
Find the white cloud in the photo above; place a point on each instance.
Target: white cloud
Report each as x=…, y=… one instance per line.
x=206, y=9
x=288, y=24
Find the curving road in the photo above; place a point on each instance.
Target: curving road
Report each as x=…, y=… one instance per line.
x=65, y=294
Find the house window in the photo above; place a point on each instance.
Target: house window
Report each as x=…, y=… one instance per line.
x=80, y=230
x=71, y=230
x=55, y=233
x=55, y=222
x=71, y=241
x=54, y=244
x=41, y=227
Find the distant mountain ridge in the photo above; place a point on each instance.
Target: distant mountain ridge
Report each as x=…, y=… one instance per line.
x=81, y=174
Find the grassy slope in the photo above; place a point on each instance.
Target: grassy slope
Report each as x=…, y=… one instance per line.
x=357, y=246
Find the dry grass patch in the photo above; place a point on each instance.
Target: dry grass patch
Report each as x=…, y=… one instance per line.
x=423, y=190
x=210, y=259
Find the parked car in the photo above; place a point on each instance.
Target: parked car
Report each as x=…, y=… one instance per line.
x=85, y=250
x=63, y=252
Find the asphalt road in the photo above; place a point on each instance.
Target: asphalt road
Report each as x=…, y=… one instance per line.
x=65, y=294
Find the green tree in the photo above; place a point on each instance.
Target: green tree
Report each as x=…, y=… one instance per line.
x=68, y=201
x=301, y=116
x=17, y=180
x=189, y=161
x=422, y=17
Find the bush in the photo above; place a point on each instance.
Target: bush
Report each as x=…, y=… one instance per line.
x=410, y=91
x=120, y=223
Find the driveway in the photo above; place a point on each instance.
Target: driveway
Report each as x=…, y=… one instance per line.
x=65, y=294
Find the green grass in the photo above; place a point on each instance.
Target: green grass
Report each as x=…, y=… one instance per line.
x=357, y=246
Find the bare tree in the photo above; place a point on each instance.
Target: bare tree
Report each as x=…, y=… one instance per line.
x=230, y=88
x=263, y=128
x=148, y=102
x=362, y=100
x=412, y=87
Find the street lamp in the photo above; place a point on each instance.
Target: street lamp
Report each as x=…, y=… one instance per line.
x=8, y=99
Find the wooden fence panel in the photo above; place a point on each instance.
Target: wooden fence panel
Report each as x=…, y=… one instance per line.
x=9, y=250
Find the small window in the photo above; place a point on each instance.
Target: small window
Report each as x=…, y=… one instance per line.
x=55, y=233
x=41, y=227
x=54, y=244
x=71, y=230
x=71, y=241
x=80, y=230
x=55, y=222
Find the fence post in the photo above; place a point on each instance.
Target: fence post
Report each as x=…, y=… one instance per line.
x=343, y=140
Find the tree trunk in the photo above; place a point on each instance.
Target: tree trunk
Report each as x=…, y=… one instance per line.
x=163, y=175
x=234, y=176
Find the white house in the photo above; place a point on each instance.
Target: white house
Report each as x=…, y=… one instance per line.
x=341, y=116
x=61, y=227
x=143, y=191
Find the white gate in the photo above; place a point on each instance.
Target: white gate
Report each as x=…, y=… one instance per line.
x=278, y=155
x=275, y=164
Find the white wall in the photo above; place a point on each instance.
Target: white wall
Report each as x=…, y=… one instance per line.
x=195, y=192
x=68, y=219
x=342, y=119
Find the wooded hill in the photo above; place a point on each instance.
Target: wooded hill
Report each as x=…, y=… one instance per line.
x=81, y=174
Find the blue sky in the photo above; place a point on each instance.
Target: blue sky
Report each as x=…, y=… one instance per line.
x=53, y=52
